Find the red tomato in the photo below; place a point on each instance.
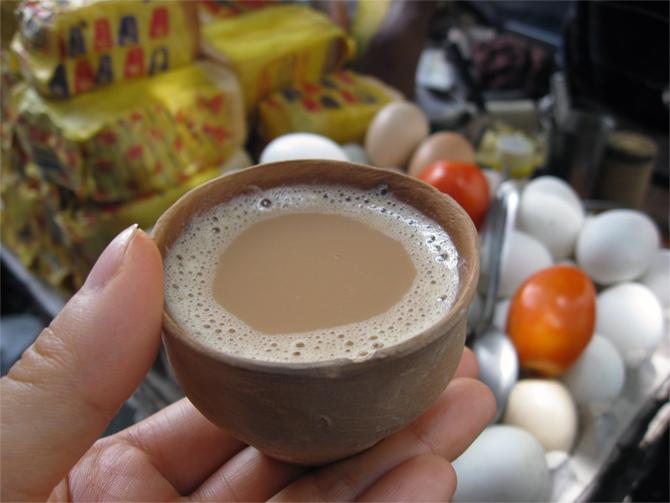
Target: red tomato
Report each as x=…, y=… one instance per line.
x=551, y=318
x=463, y=181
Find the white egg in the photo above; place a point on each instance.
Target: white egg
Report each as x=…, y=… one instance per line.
x=503, y=464
x=500, y=315
x=657, y=277
x=545, y=409
x=523, y=255
x=598, y=375
x=302, y=146
x=631, y=317
x=550, y=212
x=556, y=187
x=617, y=245
x=355, y=153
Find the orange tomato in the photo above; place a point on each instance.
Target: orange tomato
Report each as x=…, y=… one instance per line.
x=463, y=181
x=551, y=318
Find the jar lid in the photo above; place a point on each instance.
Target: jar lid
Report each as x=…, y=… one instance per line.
x=631, y=147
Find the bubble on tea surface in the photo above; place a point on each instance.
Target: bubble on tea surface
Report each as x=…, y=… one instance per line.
x=428, y=246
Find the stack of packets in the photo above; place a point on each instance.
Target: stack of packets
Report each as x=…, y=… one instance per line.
x=288, y=59
x=275, y=47
x=116, y=117
x=127, y=141
x=114, y=121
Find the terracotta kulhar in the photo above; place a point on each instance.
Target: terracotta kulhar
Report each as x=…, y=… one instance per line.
x=316, y=413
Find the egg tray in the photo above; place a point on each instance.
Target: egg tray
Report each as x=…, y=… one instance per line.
x=603, y=436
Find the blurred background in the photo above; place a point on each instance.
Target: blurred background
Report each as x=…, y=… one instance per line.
x=110, y=114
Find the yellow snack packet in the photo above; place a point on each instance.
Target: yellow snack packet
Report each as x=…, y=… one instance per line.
x=209, y=10
x=28, y=204
x=339, y=106
x=87, y=229
x=367, y=19
x=276, y=47
x=60, y=239
x=9, y=77
x=75, y=46
x=54, y=267
x=146, y=136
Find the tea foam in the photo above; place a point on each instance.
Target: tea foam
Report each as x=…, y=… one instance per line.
x=191, y=262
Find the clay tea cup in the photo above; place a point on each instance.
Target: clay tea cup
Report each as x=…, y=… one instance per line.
x=319, y=412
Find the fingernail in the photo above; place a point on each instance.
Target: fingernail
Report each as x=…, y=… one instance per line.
x=110, y=260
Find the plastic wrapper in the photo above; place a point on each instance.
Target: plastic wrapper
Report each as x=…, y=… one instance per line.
x=88, y=229
x=367, y=19
x=127, y=141
x=13, y=164
x=28, y=225
x=28, y=206
x=72, y=47
x=339, y=106
x=60, y=238
x=276, y=47
x=210, y=10
x=9, y=77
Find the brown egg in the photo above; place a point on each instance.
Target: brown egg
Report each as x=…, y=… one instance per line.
x=394, y=133
x=443, y=146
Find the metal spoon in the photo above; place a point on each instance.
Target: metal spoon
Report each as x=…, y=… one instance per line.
x=498, y=361
x=498, y=365
x=500, y=223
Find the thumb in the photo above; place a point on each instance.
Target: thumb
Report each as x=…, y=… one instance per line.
x=59, y=397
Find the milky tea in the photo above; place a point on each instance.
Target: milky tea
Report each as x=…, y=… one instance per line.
x=310, y=273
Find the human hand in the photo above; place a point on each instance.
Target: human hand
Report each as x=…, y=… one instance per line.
x=57, y=400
